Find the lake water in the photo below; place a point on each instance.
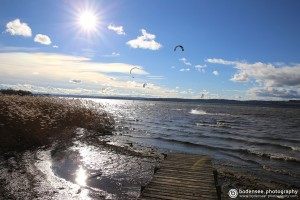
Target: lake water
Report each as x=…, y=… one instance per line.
x=262, y=141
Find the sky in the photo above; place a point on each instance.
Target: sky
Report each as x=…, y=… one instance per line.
x=243, y=50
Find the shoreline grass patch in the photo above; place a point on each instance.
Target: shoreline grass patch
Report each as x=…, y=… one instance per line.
x=28, y=121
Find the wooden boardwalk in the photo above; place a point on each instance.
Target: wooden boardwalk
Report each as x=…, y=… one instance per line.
x=182, y=176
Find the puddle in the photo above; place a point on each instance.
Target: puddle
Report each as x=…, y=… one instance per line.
x=91, y=167
x=96, y=168
x=76, y=171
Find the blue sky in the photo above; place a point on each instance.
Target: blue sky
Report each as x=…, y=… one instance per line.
x=232, y=49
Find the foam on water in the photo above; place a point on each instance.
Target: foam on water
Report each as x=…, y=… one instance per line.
x=295, y=148
x=198, y=112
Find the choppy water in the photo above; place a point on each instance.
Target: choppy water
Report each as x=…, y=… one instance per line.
x=258, y=140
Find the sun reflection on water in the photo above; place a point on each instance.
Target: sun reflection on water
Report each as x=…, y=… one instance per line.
x=81, y=176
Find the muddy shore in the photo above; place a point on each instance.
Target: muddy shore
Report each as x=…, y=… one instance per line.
x=89, y=167
x=80, y=169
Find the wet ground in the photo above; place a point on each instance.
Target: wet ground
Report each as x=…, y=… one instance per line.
x=84, y=168
x=92, y=166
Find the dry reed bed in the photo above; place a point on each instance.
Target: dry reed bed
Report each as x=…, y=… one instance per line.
x=26, y=121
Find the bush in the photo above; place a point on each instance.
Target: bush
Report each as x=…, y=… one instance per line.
x=27, y=121
x=15, y=92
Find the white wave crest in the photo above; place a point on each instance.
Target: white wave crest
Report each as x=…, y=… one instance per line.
x=295, y=148
x=198, y=112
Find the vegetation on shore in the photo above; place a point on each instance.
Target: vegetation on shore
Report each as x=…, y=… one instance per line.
x=27, y=121
x=15, y=92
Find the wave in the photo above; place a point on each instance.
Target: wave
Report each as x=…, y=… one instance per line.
x=249, y=142
x=294, y=148
x=278, y=139
x=275, y=156
x=198, y=112
x=202, y=112
x=192, y=144
x=218, y=124
x=280, y=171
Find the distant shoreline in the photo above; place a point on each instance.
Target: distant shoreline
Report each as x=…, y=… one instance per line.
x=289, y=103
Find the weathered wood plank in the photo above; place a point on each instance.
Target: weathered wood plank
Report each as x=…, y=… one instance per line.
x=177, y=188
x=185, y=175
x=182, y=181
x=180, y=192
x=182, y=176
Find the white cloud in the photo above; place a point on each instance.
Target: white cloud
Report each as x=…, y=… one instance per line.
x=275, y=80
x=264, y=73
x=241, y=77
x=220, y=61
x=58, y=73
x=55, y=46
x=276, y=92
x=185, y=69
x=43, y=39
x=118, y=29
x=51, y=90
x=55, y=69
x=113, y=54
x=145, y=41
x=184, y=60
x=16, y=27
x=215, y=72
x=200, y=68
x=60, y=64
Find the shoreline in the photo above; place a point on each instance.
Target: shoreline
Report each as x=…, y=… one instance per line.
x=29, y=167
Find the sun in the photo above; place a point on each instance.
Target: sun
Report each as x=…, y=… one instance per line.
x=88, y=21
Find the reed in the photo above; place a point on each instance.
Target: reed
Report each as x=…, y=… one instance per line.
x=27, y=121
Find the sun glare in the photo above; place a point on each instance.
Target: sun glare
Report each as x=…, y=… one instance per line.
x=88, y=21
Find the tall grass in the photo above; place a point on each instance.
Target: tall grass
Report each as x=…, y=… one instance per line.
x=27, y=121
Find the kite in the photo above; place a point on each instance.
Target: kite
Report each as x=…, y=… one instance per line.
x=133, y=69
x=180, y=47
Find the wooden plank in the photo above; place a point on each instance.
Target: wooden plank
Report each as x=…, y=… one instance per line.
x=187, y=175
x=182, y=181
x=182, y=176
x=187, y=193
x=167, y=197
x=180, y=185
x=177, y=188
x=172, y=194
